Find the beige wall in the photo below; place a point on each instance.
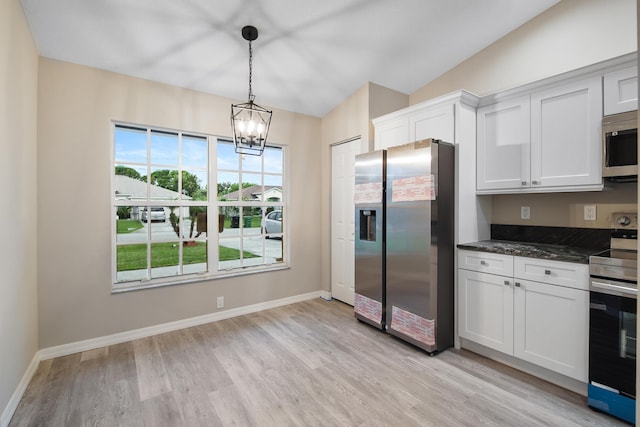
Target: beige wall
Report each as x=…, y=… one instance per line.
x=570, y=35
x=565, y=209
x=18, y=263
x=76, y=107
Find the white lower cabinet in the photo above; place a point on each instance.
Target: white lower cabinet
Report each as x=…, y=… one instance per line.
x=486, y=309
x=550, y=326
x=542, y=322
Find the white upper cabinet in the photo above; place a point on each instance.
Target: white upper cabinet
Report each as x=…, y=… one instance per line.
x=503, y=158
x=621, y=91
x=548, y=140
x=392, y=132
x=566, y=147
x=430, y=119
x=432, y=123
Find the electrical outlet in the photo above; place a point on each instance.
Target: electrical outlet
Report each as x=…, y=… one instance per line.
x=525, y=212
x=220, y=303
x=590, y=212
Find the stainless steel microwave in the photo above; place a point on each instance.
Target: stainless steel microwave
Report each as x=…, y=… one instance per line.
x=620, y=145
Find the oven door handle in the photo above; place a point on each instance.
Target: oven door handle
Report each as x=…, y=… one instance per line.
x=616, y=289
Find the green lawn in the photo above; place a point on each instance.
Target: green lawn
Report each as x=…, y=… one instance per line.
x=134, y=257
x=127, y=226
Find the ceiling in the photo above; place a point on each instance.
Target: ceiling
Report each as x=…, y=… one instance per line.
x=309, y=56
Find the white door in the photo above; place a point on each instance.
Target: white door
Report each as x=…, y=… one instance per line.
x=566, y=135
x=550, y=327
x=342, y=220
x=503, y=132
x=485, y=310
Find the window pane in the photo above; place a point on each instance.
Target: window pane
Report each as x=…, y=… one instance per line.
x=160, y=221
x=251, y=163
x=272, y=160
x=251, y=220
x=229, y=253
x=227, y=157
x=194, y=256
x=129, y=227
x=130, y=145
x=130, y=180
x=164, y=184
x=194, y=183
x=194, y=152
x=272, y=223
x=194, y=222
x=274, y=181
x=253, y=247
x=131, y=262
x=273, y=251
x=164, y=259
x=228, y=186
x=164, y=148
x=252, y=187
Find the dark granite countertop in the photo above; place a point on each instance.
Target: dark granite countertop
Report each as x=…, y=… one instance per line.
x=531, y=250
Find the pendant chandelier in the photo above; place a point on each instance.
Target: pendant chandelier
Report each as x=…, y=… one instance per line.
x=250, y=122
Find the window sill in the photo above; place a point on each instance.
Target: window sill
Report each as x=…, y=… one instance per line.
x=118, y=288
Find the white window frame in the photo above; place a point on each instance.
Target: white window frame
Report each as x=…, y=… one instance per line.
x=213, y=207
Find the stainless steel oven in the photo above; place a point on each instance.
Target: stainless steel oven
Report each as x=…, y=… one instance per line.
x=612, y=322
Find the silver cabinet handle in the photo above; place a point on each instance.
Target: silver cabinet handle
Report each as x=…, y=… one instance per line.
x=524, y=182
x=547, y=272
x=517, y=284
x=535, y=182
x=506, y=282
x=483, y=262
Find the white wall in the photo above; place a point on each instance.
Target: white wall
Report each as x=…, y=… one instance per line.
x=18, y=279
x=76, y=107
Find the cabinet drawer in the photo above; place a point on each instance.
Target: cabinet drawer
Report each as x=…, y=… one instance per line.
x=486, y=262
x=567, y=274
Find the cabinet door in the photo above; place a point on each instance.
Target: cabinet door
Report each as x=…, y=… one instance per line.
x=503, y=139
x=551, y=327
x=565, y=135
x=485, y=310
x=392, y=133
x=434, y=123
x=621, y=91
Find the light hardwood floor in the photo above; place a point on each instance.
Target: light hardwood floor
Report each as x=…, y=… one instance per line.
x=309, y=363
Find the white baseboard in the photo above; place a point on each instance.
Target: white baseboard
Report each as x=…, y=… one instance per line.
x=93, y=343
x=12, y=405
x=326, y=295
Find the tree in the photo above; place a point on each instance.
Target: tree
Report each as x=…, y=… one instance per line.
x=168, y=179
x=127, y=171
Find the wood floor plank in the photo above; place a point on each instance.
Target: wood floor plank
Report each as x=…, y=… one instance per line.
x=153, y=379
x=305, y=364
x=230, y=409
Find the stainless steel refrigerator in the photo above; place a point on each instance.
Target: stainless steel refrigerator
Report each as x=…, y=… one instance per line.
x=420, y=243
x=370, y=202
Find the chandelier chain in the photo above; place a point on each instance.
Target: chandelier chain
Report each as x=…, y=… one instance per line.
x=250, y=72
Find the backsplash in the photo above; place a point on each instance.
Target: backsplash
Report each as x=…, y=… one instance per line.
x=596, y=239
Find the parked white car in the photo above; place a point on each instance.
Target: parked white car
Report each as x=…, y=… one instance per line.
x=156, y=213
x=272, y=223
